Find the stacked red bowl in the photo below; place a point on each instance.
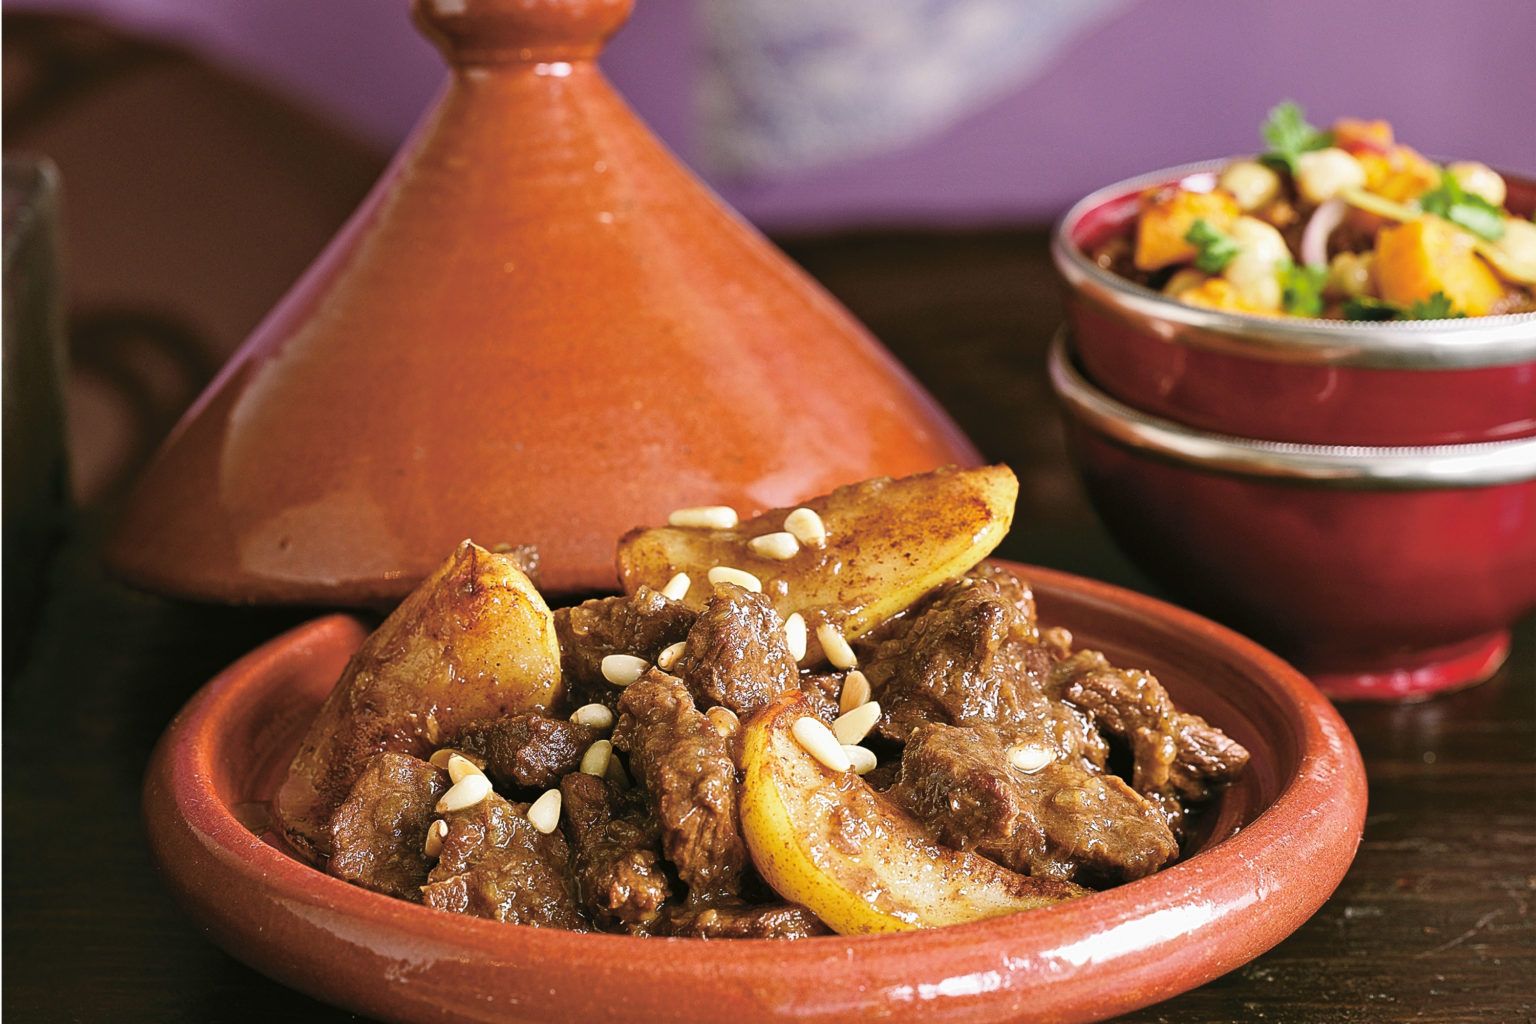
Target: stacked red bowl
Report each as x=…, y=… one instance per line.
x=1360, y=496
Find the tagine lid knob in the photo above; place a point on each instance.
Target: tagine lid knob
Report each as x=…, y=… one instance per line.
x=481, y=32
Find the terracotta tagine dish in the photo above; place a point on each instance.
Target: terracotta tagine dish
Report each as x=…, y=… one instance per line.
x=539, y=328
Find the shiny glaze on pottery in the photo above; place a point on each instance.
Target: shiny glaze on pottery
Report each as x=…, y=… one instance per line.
x=538, y=329
x=1383, y=573
x=1270, y=854
x=1291, y=379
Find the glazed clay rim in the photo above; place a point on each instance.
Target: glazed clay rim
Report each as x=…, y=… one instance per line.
x=1304, y=840
x=1407, y=345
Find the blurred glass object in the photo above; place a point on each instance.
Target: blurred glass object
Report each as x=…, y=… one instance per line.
x=36, y=465
x=793, y=84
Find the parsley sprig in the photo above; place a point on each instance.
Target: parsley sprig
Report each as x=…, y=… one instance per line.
x=1215, y=248
x=1288, y=135
x=1472, y=212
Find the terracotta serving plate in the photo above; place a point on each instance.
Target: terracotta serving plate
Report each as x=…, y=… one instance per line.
x=1272, y=851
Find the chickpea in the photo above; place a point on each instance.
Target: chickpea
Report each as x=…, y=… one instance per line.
x=1517, y=249
x=1479, y=180
x=1254, y=271
x=1324, y=173
x=1259, y=240
x=1349, y=275
x=1251, y=183
x=1183, y=280
x=1256, y=284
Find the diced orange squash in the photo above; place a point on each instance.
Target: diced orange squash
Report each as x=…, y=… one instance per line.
x=1399, y=174
x=1167, y=214
x=1217, y=293
x=1356, y=136
x=1428, y=255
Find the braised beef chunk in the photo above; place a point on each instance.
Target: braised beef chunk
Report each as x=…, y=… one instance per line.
x=378, y=832
x=1010, y=587
x=1061, y=821
x=970, y=656
x=616, y=844
x=737, y=655
x=730, y=918
x=951, y=662
x=643, y=624
x=527, y=750
x=1207, y=761
x=823, y=690
x=495, y=864
x=686, y=770
x=1174, y=755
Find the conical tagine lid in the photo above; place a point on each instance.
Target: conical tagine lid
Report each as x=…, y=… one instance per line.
x=538, y=329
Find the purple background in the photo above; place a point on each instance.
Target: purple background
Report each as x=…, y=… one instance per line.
x=1164, y=82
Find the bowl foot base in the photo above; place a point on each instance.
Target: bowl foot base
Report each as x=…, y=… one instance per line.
x=1429, y=674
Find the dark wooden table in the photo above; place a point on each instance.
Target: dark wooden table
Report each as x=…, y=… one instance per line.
x=1434, y=921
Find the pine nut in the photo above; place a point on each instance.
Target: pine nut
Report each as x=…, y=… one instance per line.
x=667, y=658
x=544, y=813
x=835, y=647
x=595, y=760
x=778, y=546
x=1028, y=758
x=855, y=691
x=709, y=517
x=623, y=669
x=436, y=833
x=459, y=767
x=807, y=527
x=724, y=720
x=677, y=587
x=852, y=727
x=818, y=741
x=616, y=776
x=862, y=758
x=740, y=577
x=467, y=792
x=595, y=716
x=794, y=635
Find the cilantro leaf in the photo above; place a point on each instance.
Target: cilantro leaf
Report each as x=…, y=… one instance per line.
x=1366, y=308
x=1216, y=248
x=1301, y=288
x=1436, y=307
x=1288, y=135
x=1474, y=213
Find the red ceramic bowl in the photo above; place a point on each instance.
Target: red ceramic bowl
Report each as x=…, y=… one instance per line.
x=1288, y=378
x=1270, y=853
x=1381, y=572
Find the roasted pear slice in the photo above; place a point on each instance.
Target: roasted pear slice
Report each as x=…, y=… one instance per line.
x=887, y=542
x=826, y=840
x=474, y=640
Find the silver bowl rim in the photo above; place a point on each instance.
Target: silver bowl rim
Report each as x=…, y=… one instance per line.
x=1414, y=344
x=1358, y=467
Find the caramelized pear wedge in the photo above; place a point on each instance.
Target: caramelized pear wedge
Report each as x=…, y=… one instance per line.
x=474, y=640
x=887, y=542
x=826, y=840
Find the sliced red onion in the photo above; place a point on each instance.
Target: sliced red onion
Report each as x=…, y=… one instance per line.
x=1314, y=238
